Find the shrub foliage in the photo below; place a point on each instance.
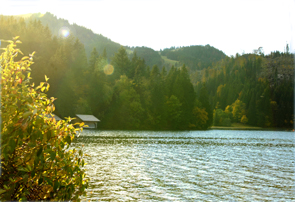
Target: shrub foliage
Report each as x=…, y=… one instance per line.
x=37, y=160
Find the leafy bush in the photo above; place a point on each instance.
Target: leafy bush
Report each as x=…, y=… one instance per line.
x=226, y=122
x=244, y=119
x=221, y=118
x=37, y=161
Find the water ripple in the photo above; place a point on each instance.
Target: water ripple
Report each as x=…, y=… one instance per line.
x=189, y=166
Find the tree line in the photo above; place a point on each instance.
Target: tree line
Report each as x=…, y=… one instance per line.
x=256, y=89
x=126, y=93
x=135, y=96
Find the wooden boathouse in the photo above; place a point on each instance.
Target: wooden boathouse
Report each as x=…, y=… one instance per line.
x=89, y=120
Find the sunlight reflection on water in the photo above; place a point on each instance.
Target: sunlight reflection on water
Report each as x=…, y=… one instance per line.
x=185, y=166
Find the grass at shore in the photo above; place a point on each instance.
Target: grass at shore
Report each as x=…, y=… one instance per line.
x=237, y=126
x=240, y=126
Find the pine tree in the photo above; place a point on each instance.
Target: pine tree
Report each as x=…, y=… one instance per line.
x=251, y=114
x=157, y=91
x=204, y=99
x=121, y=63
x=92, y=60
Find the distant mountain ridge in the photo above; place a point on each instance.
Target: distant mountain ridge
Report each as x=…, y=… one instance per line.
x=86, y=36
x=195, y=57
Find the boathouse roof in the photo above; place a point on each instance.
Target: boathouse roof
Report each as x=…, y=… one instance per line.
x=84, y=117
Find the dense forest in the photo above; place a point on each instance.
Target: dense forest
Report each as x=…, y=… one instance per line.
x=150, y=56
x=136, y=89
x=252, y=88
x=196, y=57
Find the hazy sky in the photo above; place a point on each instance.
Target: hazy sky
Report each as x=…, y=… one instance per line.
x=229, y=25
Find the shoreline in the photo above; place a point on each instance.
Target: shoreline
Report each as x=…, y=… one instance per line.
x=235, y=128
x=241, y=126
x=211, y=128
x=249, y=128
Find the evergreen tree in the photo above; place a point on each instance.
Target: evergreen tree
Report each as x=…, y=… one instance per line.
x=138, y=67
x=92, y=60
x=184, y=91
x=174, y=113
x=157, y=98
x=204, y=99
x=126, y=111
x=252, y=110
x=121, y=64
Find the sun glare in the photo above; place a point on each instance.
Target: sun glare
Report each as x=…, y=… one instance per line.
x=64, y=32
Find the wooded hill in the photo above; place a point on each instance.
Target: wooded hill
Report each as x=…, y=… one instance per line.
x=195, y=57
x=86, y=36
x=115, y=84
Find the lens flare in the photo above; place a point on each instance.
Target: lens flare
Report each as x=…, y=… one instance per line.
x=64, y=32
x=108, y=69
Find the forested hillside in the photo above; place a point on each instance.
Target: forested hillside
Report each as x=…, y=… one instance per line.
x=195, y=57
x=86, y=36
x=63, y=60
x=253, y=89
x=150, y=56
x=129, y=90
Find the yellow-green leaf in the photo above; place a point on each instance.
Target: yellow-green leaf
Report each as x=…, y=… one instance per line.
x=25, y=58
x=2, y=191
x=26, y=114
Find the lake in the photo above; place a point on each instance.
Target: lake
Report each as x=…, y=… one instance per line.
x=215, y=165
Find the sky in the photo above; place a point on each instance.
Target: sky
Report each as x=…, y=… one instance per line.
x=232, y=26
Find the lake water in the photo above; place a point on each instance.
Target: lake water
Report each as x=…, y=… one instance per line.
x=216, y=165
